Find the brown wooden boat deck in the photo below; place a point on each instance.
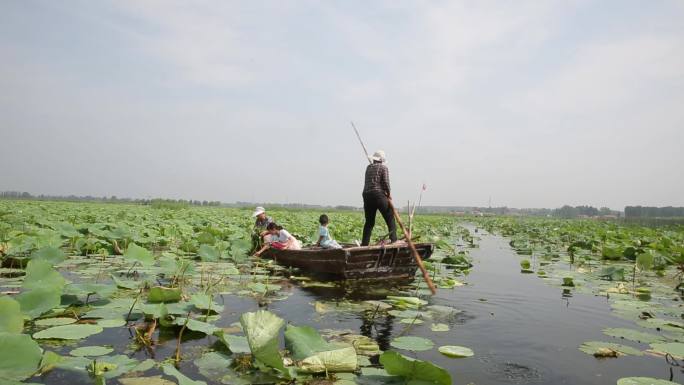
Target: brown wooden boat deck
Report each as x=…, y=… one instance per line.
x=354, y=262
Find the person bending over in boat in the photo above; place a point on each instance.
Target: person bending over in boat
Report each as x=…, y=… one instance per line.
x=376, y=195
x=280, y=239
x=324, y=239
x=260, y=236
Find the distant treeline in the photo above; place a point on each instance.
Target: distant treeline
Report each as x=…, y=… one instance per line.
x=155, y=202
x=653, y=212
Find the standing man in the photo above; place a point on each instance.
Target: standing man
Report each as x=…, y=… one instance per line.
x=376, y=195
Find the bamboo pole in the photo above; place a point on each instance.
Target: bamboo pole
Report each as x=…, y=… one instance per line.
x=412, y=247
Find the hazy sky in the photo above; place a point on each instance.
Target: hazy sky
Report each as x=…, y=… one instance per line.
x=535, y=104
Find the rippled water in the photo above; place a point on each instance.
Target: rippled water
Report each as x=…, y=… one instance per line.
x=521, y=329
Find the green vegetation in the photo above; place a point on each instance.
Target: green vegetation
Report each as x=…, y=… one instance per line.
x=170, y=272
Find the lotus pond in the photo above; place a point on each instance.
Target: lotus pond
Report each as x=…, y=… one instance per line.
x=125, y=294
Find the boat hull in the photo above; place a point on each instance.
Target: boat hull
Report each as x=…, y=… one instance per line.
x=370, y=262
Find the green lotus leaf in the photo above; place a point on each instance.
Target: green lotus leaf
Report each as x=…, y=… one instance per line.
x=204, y=301
x=50, y=254
x=169, y=370
x=68, y=332
x=153, y=380
x=304, y=341
x=262, y=328
x=208, y=253
x=41, y=275
x=412, y=343
x=593, y=347
x=197, y=326
x=455, y=351
x=414, y=371
x=439, y=327
x=214, y=365
x=139, y=254
x=91, y=351
x=330, y=361
x=57, y=321
x=11, y=319
x=19, y=356
x=236, y=344
x=164, y=294
x=633, y=335
x=39, y=301
x=675, y=349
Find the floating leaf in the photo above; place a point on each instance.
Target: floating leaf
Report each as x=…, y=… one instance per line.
x=19, y=356
x=439, y=327
x=415, y=371
x=57, y=321
x=455, y=351
x=111, y=323
x=236, y=344
x=593, y=347
x=633, y=335
x=675, y=349
x=197, y=326
x=262, y=329
x=164, y=294
x=337, y=360
x=169, y=370
x=412, y=343
x=153, y=380
x=643, y=381
x=91, y=351
x=304, y=341
x=68, y=332
x=11, y=320
x=208, y=253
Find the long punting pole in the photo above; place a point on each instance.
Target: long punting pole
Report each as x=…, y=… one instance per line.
x=407, y=234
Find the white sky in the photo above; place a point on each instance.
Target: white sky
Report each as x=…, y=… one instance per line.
x=534, y=103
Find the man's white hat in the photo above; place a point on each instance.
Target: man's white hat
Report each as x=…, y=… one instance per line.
x=258, y=210
x=379, y=156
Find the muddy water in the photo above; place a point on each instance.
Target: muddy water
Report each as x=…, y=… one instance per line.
x=522, y=330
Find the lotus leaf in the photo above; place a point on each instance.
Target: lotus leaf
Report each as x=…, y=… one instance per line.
x=111, y=323
x=455, y=351
x=643, y=381
x=592, y=347
x=204, y=301
x=41, y=275
x=153, y=380
x=304, y=341
x=139, y=254
x=19, y=356
x=208, y=253
x=337, y=360
x=197, y=326
x=236, y=344
x=214, y=365
x=675, y=349
x=49, y=254
x=68, y=332
x=439, y=327
x=55, y=321
x=91, y=351
x=262, y=329
x=412, y=343
x=633, y=335
x=38, y=301
x=169, y=370
x=11, y=320
x=414, y=370
x=164, y=294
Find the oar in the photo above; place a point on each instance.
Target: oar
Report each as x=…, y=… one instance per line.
x=407, y=234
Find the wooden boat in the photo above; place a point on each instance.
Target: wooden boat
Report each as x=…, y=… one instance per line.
x=355, y=262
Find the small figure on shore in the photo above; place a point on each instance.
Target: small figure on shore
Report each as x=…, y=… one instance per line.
x=376, y=196
x=279, y=239
x=324, y=239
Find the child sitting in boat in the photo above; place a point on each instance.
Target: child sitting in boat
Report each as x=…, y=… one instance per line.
x=280, y=239
x=324, y=239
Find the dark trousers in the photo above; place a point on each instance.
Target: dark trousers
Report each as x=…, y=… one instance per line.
x=372, y=202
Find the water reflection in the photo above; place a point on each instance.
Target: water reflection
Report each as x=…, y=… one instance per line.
x=378, y=327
